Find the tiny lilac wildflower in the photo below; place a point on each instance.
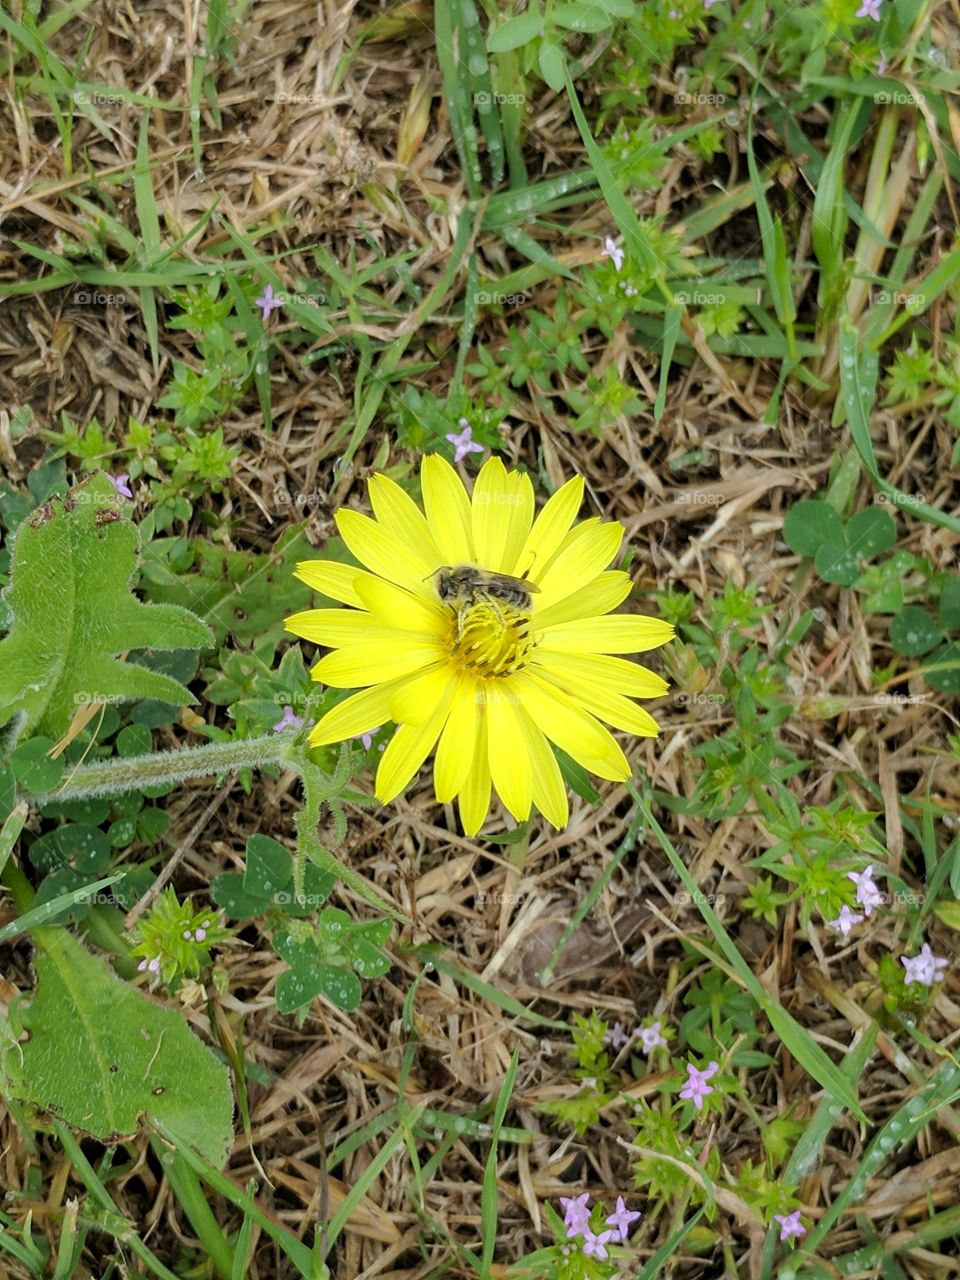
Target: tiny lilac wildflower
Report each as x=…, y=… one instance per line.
x=612, y=251
x=200, y=935
x=288, y=721
x=868, y=894
x=141, y=966
x=707, y=3
x=596, y=1246
x=464, y=443
x=576, y=1215
x=696, y=1088
x=650, y=1037
x=367, y=738
x=621, y=1219
x=267, y=302
x=925, y=968
x=121, y=485
x=790, y=1225
x=188, y=936
x=870, y=9
x=845, y=921
x=154, y=965
x=615, y=1037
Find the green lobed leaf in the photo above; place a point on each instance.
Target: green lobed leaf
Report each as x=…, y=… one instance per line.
x=913, y=632
x=871, y=531
x=837, y=564
x=515, y=32
x=73, y=613
x=129, y=1058
x=811, y=524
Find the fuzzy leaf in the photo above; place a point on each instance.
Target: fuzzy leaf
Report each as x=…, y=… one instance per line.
x=100, y=1056
x=73, y=614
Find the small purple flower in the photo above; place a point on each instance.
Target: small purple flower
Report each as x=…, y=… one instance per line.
x=288, y=721
x=596, y=1246
x=696, y=1088
x=925, y=968
x=621, y=1219
x=576, y=1215
x=650, y=1037
x=845, y=921
x=868, y=895
x=188, y=936
x=200, y=935
x=154, y=965
x=615, y=1037
x=267, y=302
x=870, y=9
x=612, y=251
x=708, y=3
x=141, y=966
x=790, y=1225
x=464, y=443
x=120, y=484
x=367, y=738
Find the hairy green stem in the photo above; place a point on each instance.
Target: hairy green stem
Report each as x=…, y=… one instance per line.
x=158, y=768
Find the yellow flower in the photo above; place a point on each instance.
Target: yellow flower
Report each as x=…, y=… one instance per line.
x=488, y=672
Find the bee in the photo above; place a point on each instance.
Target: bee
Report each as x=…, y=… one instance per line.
x=462, y=585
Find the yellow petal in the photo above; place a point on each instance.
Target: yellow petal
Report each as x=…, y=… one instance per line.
x=448, y=509
x=580, y=563
x=364, y=663
x=574, y=730
x=518, y=517
x=493, y=493
x=475, y=793
x=601, y=595
x=357, y=714
x=416, y=696
x=333, y=579
x=407, y=750
x=510, y=769
x=598, y=670
x=550, y=528
x=399, y=514
x=384, y=553
x=457, y=743
x=620, y=633
x=397, y=607
x=609, y=706
x=333, y=627
x=549, y=791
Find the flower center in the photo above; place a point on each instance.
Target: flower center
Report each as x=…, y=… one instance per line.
x=490, y=637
